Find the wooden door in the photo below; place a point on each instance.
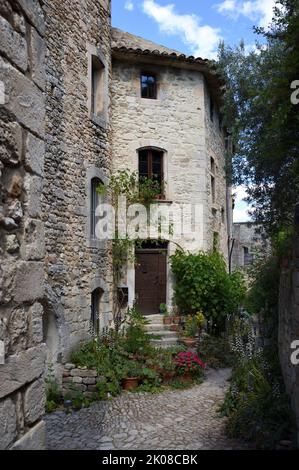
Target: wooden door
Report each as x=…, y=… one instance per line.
x=150, y=281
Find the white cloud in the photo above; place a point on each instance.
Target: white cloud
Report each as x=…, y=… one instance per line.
x=202, y=40
x=256, y=10
x=241, y=206
x=129, y=5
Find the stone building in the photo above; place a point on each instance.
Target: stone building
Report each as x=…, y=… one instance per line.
x=22, y=248
x=249, y=239
x=68, y=119
x=77, y=159
x=55, y=148
x=166, y=125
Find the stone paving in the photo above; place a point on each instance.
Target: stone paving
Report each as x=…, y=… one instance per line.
x=173, y=420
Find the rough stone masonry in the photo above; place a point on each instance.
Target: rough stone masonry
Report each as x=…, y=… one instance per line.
x=22, y=247
x=51, y=147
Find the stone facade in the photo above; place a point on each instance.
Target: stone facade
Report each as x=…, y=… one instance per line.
x=57, y=138
x=22, y=248
x=77, y=150
x=178, y=123
x=249, y=239
x=289, y=320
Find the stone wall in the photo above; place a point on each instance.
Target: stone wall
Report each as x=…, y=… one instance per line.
x=289, y=320
x=22, y=110
x=80, y=378
x=251, y=236
x=176, y=123
x=219, y=212
x=77, y=149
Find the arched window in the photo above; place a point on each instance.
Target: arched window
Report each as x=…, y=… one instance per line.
x=95, y=199
x=96, y=297
x=151, y=166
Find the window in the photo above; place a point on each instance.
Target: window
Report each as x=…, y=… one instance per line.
x=148, y=86
x=95, y=310
x=97, y=86
x=151, y=166
x=95, y=200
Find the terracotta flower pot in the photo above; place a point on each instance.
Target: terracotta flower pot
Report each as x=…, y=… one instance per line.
x=130, y=383
x=185, y=378
x=189, y=342
x=174, y=327
x=168, y=376
x=167, y=320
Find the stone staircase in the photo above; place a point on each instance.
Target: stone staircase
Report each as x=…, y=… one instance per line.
x=157, y=327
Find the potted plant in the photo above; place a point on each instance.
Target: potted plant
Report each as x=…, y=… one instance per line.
x=131, y=376
x=176, y=317
x=167, y=320
x=188, y=366
x=190, y=331
x=192, y=327
x=153, y=363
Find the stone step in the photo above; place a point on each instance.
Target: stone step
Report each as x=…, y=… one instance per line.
x=155, y=318
x=155, y=327
x=164, y=333
x=164, y=343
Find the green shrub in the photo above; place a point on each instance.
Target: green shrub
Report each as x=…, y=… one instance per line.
x=215, y=351
x=257, y=406
x=53, y=393
x=202, y=284
x=76, y=397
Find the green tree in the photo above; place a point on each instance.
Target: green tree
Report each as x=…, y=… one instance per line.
x=262, y=119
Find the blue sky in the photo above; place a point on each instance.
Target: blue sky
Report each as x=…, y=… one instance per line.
x=195, y=27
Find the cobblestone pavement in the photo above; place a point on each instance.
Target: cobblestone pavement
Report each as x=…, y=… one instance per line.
x=173, y=420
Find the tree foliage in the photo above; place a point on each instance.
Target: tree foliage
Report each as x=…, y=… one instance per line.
x=262, y=119
x=202, y=283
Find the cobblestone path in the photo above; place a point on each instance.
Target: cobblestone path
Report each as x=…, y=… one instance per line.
x=174, y=420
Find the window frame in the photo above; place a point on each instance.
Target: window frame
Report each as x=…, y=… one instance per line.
x=149, y=74
x=95, y=181
x=150, y=165
x=95, y=311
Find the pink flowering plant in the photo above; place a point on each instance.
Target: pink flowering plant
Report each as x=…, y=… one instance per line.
x=188, y=362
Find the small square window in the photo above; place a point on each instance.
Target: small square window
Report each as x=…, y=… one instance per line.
x=149, y=86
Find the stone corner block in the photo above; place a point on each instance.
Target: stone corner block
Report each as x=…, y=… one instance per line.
x=29, y=281
x=8, y=420
x=34, y=439
x=22, y=368
x=34, y=401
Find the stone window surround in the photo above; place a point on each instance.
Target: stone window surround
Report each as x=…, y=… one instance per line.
x=91, y=173
x=102, y=119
